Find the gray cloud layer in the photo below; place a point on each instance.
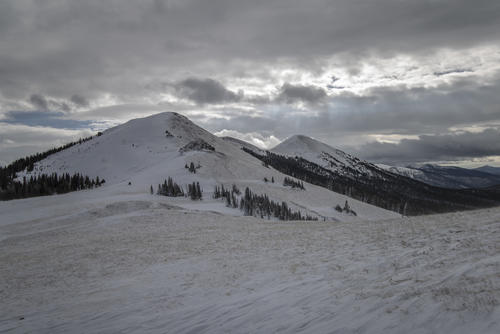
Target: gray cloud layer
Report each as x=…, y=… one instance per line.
x=111, y=40
x=436, y=147
x=109, y=61
x=79, y=100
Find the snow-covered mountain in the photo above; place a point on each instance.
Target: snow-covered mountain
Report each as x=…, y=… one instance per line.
x=321, y=164
x=143, y=152
x=447, y=176
x=324, y=155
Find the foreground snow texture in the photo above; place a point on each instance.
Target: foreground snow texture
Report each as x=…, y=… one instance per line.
x=138, y=263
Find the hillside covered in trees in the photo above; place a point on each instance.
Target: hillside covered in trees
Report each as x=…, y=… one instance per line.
x=384, y=189
x=42, y=184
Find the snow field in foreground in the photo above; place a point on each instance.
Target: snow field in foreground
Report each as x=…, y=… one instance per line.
x=135, y=264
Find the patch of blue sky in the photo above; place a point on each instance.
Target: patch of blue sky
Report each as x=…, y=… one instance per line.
x=51, y=119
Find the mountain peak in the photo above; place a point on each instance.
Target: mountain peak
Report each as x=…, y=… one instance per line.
x=154, y=128
x=300, y=144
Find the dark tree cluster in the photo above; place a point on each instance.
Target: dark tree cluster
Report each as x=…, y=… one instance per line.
x=230, y=196
x=267, y=180
x=261, y=206
x=258, y=205
x=346, y=209
x=169, y=188
x=44, y=184
x=172, y=189
x=192, y=168
x=383, y=189
x=197, y=145
x=288, y=182
x=194, y=191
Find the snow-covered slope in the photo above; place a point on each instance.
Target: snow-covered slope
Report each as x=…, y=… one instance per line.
x=146, y=151
x=96, y=262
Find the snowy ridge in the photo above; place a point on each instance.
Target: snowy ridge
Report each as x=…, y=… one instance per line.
x=146, y=151
x=405, y=171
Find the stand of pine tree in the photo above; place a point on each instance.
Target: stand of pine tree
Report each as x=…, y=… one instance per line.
x=172, y=189
x=258, y=205
x=194, y=191
x=169, y=188
x=288, y=182
x=44, y=184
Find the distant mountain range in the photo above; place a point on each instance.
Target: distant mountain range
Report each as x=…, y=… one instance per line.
x=489, y=169
x=450, y=177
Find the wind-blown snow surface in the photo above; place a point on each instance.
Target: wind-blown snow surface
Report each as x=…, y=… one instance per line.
x=105, y=262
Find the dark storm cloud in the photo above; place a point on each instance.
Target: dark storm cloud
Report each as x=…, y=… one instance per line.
x=79, y=100
x=441, y=73
x=39, y=102
x=436, y=148
x=293, y=93
x=204, y=91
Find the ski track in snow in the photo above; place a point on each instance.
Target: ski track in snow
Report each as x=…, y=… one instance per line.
x=98, y=262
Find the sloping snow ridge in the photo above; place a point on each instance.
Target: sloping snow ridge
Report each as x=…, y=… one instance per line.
x=117, y=259
x=146, y=151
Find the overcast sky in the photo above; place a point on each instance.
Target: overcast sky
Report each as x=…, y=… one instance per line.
x=395, y=81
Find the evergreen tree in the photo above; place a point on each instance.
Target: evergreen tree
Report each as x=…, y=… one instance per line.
x=198, y=191
x=347, y=208
x=192, y=168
